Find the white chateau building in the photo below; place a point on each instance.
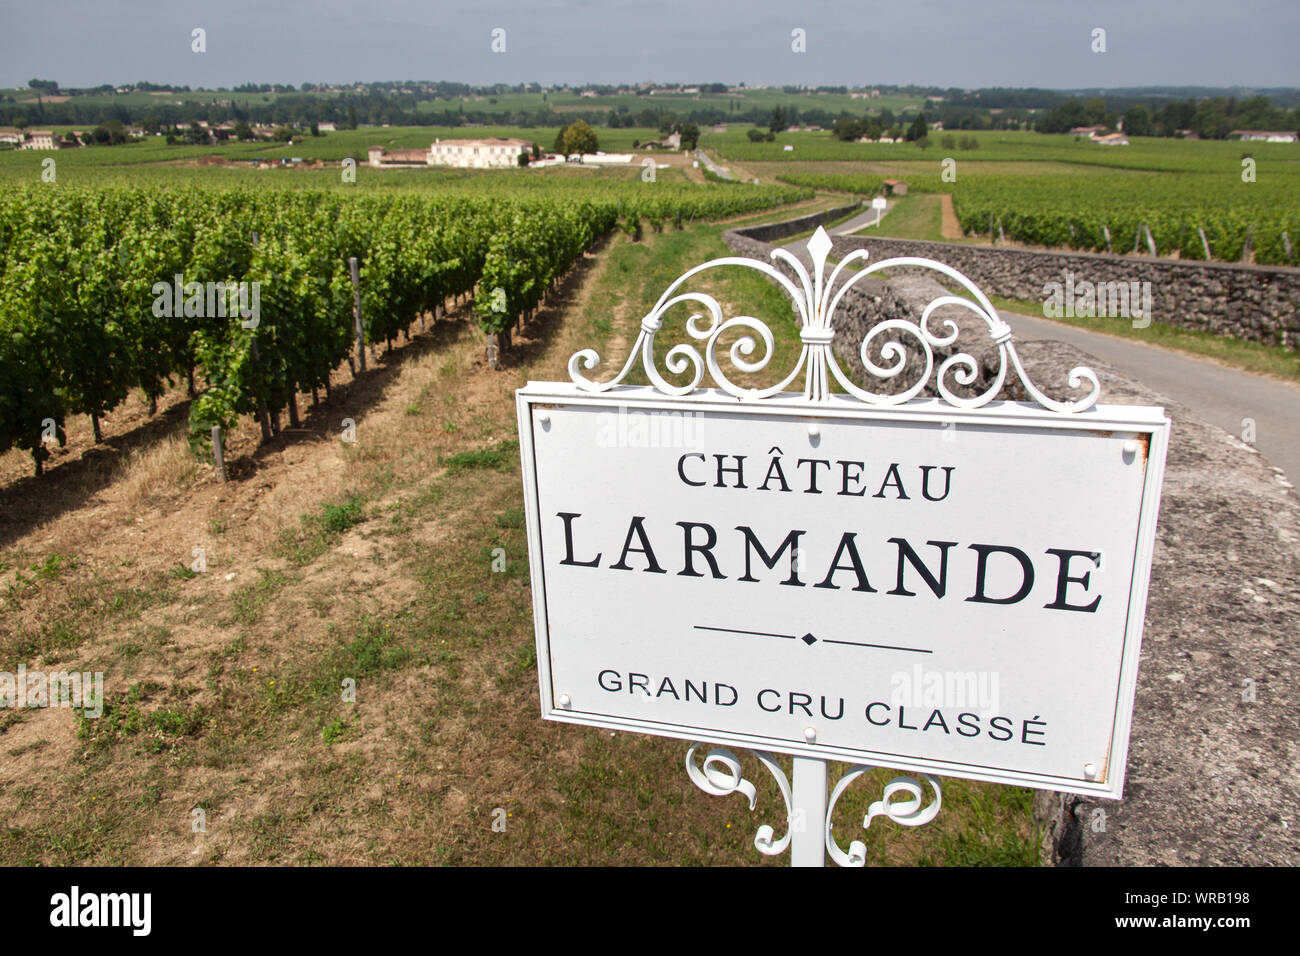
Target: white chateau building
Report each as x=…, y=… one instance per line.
x=39, y=139
x=478, y=153
x=472, y=153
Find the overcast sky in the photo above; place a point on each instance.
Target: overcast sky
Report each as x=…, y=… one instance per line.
x=973, y=43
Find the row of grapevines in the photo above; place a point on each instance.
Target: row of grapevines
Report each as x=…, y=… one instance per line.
x=95, y=285
x=862, y=185
x=89, y=303
x=1077, y=212
x=525, y=257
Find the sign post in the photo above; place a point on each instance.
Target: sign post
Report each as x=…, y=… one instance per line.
x=879, y=204
x=950, y=586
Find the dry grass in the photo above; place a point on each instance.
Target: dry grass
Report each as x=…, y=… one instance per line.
x=158, y=472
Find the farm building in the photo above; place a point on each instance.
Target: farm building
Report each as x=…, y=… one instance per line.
x=398, y=157
x=671, y=141
x=1265, y=135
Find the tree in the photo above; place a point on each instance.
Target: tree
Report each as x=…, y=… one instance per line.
x=109, y=133
x=1211, y=120
x=779, y=121
x=690, y=135
x=918, y=128
x=1137, y=121
x=848, y=128
x=576, y=138
x=1064, y=118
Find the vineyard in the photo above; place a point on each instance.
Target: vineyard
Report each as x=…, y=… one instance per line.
x=1061, y=191
x=1114, y=213
x=837, y=182
x=107, y=290
x=1111, y=212
x=1148, y=155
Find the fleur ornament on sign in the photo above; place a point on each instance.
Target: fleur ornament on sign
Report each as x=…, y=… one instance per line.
x=815, y=301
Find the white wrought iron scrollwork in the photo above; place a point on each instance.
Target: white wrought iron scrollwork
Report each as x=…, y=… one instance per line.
x=815, y=302
x=909, y=812
x=720, y=776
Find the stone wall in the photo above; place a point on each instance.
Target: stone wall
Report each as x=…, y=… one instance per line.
x=1256, y=303
x=772, y=231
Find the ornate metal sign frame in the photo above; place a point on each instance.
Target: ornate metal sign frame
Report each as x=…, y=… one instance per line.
x=815, y=302
x=808, y=811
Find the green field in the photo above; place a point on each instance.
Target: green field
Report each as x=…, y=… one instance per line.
x=1058, y=191
x=1042, y=190
x=1144, y=153
x=330, y=147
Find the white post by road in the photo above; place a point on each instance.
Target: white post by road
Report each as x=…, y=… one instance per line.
x=807, y=838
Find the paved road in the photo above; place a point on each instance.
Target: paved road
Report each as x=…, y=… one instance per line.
x=712, y=166
x=849, y=226
x=1223, y=396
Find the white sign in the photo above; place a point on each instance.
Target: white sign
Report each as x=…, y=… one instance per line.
x=958, y=591
x=879, y=205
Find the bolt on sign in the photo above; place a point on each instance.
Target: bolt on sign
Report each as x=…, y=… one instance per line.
x=953, y=586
